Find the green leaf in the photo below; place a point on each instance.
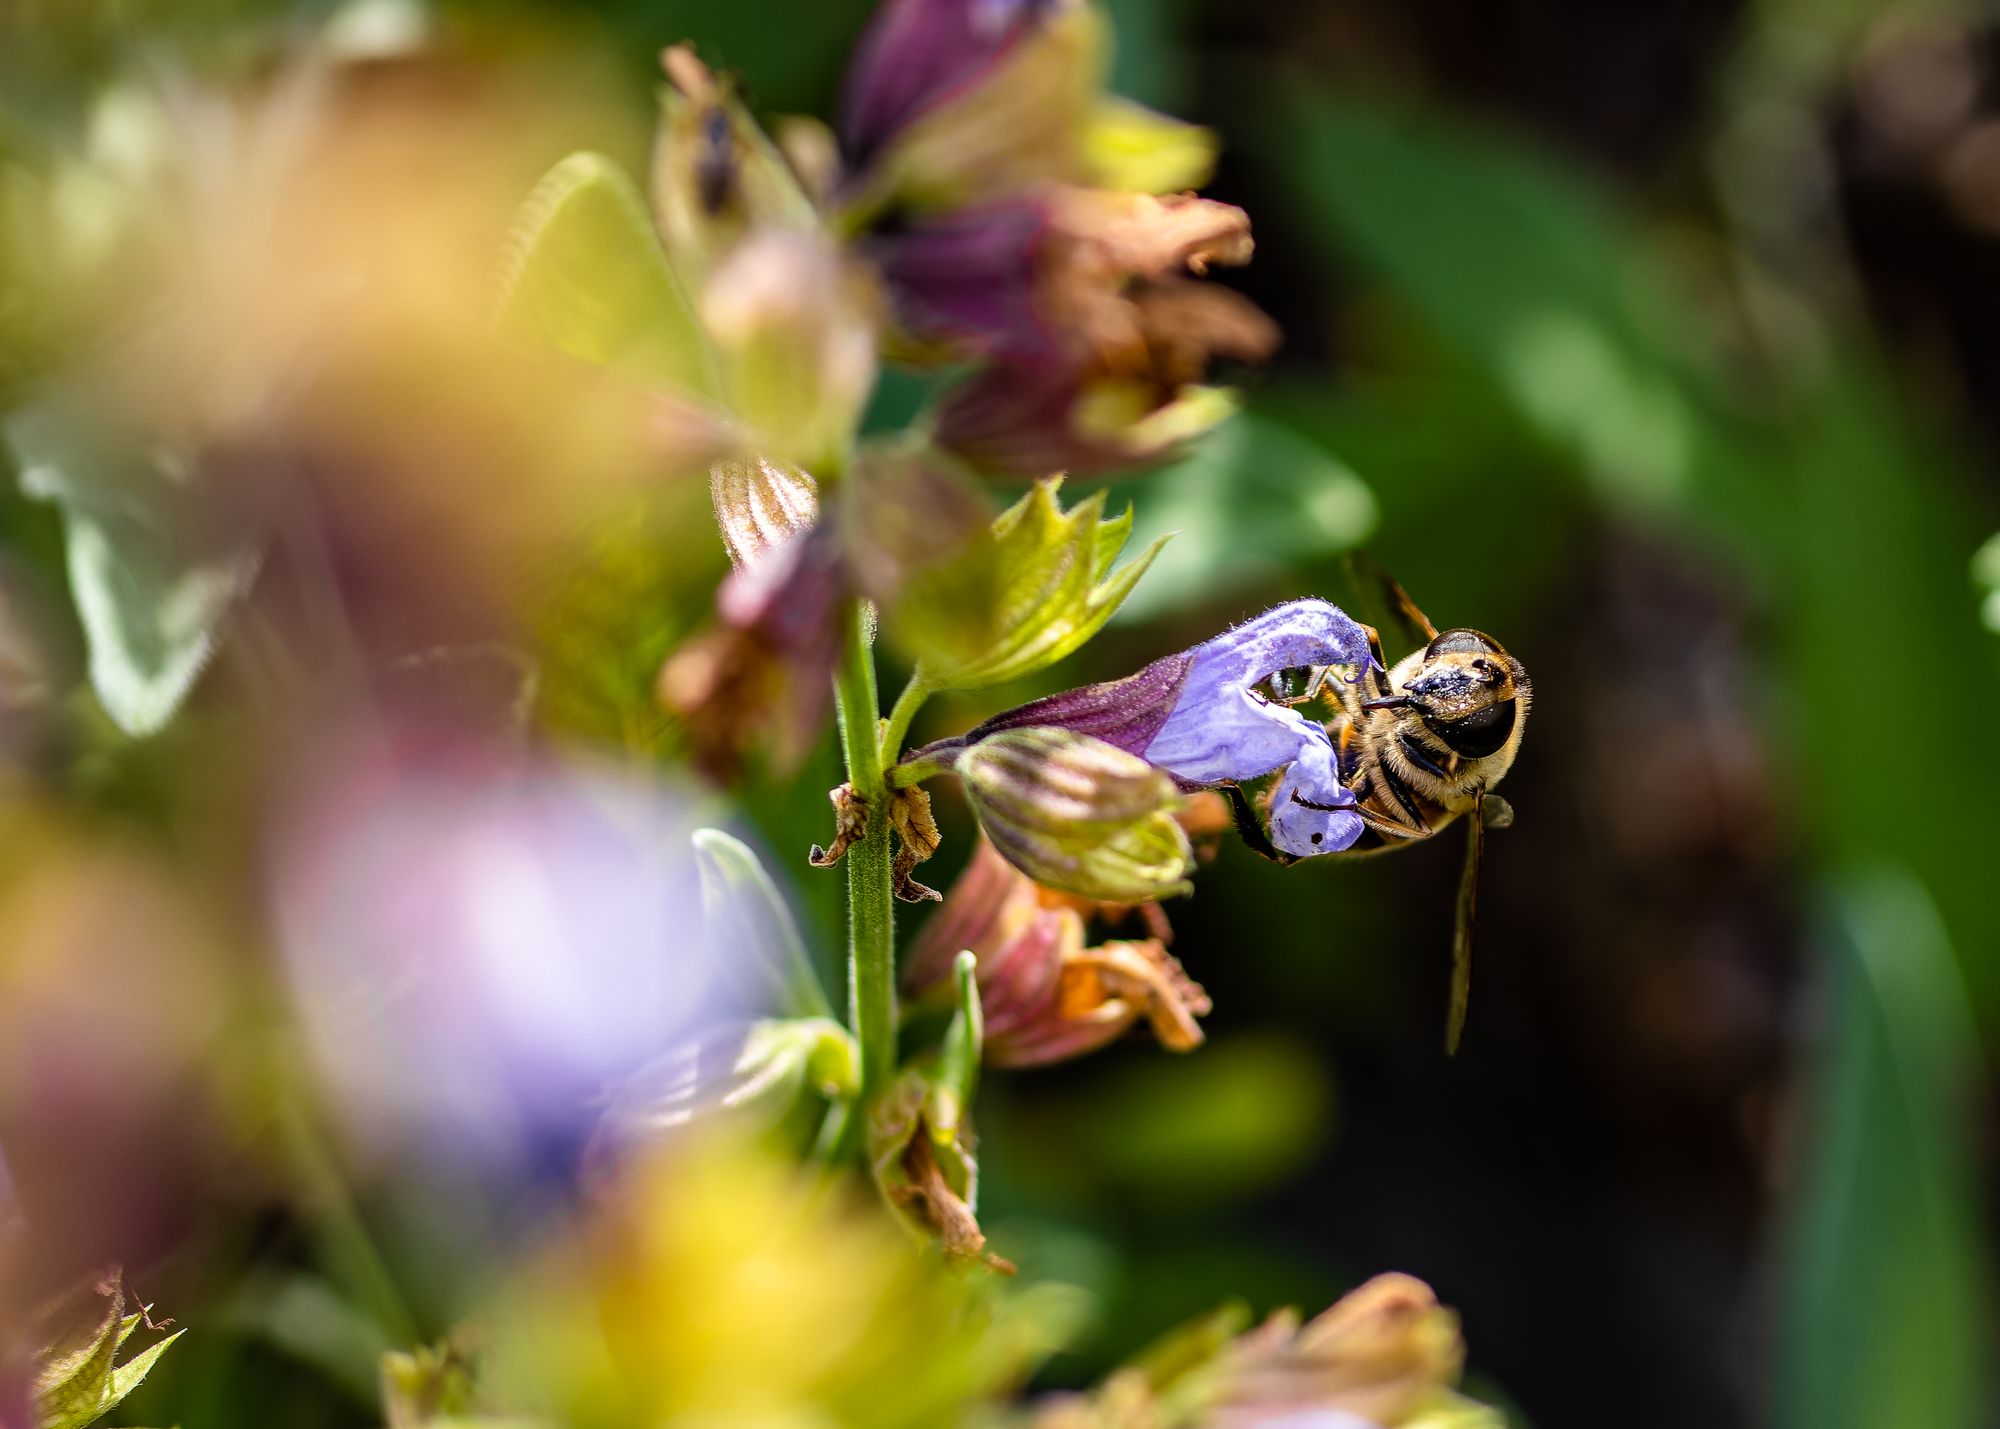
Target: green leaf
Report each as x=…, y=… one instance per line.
x=1886, y=1316
x=957, y=1072
x=1032, y=593
x=1255, y=499
x=1986, y=571
x=76, y=1378
x=128, y=1376
x=1527, y=269
x=80, y=1339
x=300, y=1316
x=585, y=273
x=746, y=913
x=754, y=1069
x=150, y=587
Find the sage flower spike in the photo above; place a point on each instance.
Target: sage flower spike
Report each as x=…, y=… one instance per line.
x=1201, y=716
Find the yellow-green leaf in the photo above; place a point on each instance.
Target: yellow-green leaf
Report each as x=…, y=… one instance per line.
x=1032, y=593
x=585, y=272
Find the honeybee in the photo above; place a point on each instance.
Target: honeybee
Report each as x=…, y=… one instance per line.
x=1421, y=744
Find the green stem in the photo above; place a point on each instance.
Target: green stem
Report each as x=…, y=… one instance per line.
x=915, y=771
x=871, y=944
x=898, y=724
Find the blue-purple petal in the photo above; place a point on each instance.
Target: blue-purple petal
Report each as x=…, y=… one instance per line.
x=1311, y=812
x=1221, y=731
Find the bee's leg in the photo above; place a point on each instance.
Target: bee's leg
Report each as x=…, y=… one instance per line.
x=1378, y=669
x=1251, y=828
x=1389, y=826
x=1315, y=682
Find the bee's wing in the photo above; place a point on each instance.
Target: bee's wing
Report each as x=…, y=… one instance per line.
x=1380, y=602
x=1461, y=935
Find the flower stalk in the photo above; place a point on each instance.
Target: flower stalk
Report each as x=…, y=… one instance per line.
x=871, y=939
x=897, y=727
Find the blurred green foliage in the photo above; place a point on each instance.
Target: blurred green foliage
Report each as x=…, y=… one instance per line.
x=1886, y=1214
x=1525, y=354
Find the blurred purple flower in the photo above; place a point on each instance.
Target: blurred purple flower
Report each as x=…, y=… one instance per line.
x=964, y=281
x=916, y=55
x=477, y=952
x=763, y=672
x=1200, y=716
x=1100, y=331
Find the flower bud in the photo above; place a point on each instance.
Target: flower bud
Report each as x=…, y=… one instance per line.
x=928, y=1173
x=1384, y=1357
x=764, y=669
x=760, y=506
x=1078, y=814
x=962, y=284
x=430, y=1385
x=1387, y=1354
x=1034, y=589
x=794, y=326
x=716, y=175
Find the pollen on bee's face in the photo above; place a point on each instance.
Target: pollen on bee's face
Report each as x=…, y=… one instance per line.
x=1450, y=689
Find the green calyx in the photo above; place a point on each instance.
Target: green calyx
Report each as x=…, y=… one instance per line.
x=78, y=1379
x=1046, y=584
x=1079, y=815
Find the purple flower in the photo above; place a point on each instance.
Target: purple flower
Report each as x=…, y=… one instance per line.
x=1088, y=308
x=1200, y=716
x=477, y=951
x=964, y=281
x=1046, y=996
x=764, y=670
x=919, y=53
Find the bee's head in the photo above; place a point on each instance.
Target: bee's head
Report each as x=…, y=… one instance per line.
x=1468, y=692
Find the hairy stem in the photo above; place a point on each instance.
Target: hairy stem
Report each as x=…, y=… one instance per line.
x=871, y=944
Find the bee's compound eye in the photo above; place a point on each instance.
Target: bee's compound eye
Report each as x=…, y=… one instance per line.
x=1459, y=642
x=1477, y=735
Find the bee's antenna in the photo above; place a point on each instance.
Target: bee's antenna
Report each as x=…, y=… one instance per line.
x=1393, y=702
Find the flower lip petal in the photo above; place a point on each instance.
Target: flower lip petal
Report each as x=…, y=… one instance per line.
x=1311, y=811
